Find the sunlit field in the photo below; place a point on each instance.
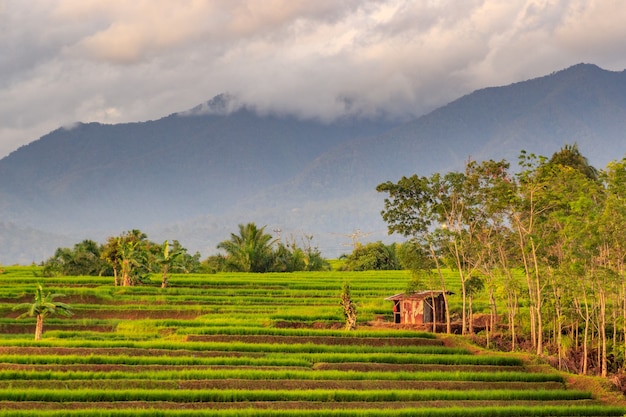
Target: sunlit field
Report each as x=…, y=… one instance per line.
x=253, y=345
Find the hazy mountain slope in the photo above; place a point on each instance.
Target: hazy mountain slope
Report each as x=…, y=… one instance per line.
x=106, y=176
x=582, y=104
x=193, y=176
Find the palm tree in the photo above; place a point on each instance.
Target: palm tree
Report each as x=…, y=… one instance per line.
x=42, y=307
x=250, y=251
x=570, y=156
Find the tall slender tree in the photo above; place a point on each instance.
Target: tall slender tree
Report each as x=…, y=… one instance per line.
x=412, y=210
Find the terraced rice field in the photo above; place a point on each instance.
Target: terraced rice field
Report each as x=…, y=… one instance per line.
x=253, y=345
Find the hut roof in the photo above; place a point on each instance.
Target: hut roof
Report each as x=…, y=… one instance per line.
x=416, y=295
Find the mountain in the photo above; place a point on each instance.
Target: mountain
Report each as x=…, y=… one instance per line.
x=194, y=175
x=138, y=174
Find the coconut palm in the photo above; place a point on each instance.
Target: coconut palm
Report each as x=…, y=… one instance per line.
x=250, y=251
x=43, y=306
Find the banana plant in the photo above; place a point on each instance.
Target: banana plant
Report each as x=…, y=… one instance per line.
x=43, y=306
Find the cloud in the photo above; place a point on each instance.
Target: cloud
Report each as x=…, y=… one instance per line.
x=117, y=61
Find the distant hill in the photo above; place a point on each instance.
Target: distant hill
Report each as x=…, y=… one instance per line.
x=194, y=175
x=98, y=177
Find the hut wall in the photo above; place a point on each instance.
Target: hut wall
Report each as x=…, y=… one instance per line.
x=419, y=309
x=413, y=311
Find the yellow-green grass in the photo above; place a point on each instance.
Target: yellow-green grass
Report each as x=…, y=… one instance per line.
x=254, y=345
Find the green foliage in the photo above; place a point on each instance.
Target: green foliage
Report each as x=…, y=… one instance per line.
x=570, y=156
x=253, y=250
x=559, y=221
x=414, y=257
x=248, y=251
x=42, y=307
x=130, y=258
x=374, y=256
x=83, y=259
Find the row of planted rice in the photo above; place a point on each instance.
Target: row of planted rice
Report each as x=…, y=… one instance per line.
x=269, y=344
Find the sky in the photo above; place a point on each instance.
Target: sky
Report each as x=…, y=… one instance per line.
x=115, y=61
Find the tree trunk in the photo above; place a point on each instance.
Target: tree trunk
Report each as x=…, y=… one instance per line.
x=443, y=288
x=459, y=265
x=531, y=295
x=164, y=280
x=39, y=327
x=585, y=366
x=494, y=313
x=537, y=300
x=603, y=358
x=434, y=305
x=623, y=300
x=126, y=282
x=558, y=318
x=470, y=310
x=512, y=322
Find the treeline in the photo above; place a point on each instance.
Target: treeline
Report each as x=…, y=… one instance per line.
x=131, y=257
x=548, y=241
x=253, y=250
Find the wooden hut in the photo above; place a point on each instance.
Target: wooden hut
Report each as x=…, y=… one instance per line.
x=419, y=308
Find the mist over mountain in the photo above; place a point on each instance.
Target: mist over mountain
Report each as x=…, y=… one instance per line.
x=194, y=175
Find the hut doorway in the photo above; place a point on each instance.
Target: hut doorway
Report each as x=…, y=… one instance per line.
x=428, y=310
x=397, y=315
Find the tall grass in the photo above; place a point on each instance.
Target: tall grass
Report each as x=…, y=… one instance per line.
x=91, y=395
x=508, y=411
x=198, y=328
x=292, y=374
x=154, y=360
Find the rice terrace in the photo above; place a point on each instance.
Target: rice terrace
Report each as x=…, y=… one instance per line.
x=256, y=345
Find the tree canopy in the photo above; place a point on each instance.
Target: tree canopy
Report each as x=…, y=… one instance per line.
x=548, y=237
x=253, y=250
x=129, y=258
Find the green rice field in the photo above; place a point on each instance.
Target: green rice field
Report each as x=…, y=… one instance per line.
x=253, y=345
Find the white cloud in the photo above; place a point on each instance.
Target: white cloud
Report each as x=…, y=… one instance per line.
x=116, y=61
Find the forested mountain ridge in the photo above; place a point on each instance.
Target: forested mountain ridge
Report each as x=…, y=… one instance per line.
x=193, y=176
x=189, y=163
